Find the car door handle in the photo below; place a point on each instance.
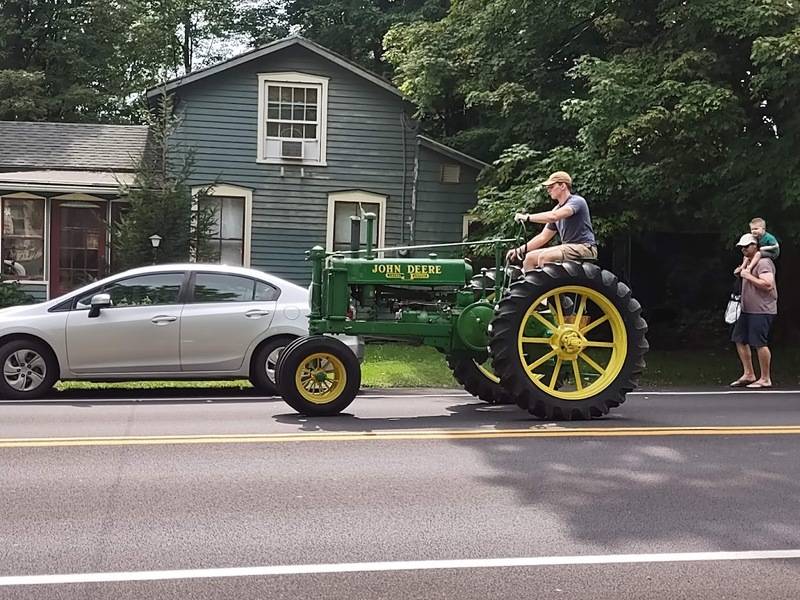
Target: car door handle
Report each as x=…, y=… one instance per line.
x=256, y=314
x=163, y=319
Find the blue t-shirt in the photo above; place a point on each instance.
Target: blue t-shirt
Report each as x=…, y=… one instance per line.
x=576, y=229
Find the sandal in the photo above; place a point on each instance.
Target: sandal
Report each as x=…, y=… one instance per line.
x=757, y=385
x=742, y=383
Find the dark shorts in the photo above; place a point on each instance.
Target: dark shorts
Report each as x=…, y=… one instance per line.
x=752, y=330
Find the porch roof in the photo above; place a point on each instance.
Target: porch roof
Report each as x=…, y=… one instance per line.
x=101, y=182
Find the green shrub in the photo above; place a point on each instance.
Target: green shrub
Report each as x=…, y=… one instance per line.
x=12, y=295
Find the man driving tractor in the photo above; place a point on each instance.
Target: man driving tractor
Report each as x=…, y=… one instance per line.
x=570, y=219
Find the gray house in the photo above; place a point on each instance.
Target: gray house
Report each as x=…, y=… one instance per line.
x=295, y=138
x=299, y=140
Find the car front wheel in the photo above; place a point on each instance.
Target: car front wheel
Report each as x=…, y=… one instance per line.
x=29, y=370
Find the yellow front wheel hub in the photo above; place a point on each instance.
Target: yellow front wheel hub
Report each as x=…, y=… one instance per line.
x=584, y=349
x=320, y=378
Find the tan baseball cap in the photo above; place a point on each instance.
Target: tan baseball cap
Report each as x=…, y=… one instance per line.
x=558, y=177
x=746, y=240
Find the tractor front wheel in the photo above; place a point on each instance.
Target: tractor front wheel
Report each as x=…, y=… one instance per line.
x=318, y=376
x=478, y=378
x=568, y=341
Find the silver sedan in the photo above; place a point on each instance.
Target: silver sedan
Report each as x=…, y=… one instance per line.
x=183, y=321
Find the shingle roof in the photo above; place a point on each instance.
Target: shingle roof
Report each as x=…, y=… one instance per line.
x=74, y=146
x=451, y=152
x=294, y=40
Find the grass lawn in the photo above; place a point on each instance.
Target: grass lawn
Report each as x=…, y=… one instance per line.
x=397, y=366
x=392, y=365
x=715, y=367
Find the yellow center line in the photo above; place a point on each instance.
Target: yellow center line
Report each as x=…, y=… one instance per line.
x=435, y=434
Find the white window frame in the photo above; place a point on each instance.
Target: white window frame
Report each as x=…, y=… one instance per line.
x=232, y=191
x=466, y=221
x=45, y=281
x=292, y=78
x=355, y=196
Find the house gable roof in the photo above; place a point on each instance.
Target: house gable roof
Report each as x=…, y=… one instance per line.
x=270, y=48
x=451, y=153
x=71, y=146
x=300, y=41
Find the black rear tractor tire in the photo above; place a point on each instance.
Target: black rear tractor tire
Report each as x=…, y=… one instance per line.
x=600, y=345
x=477, y=379
x=318, y=376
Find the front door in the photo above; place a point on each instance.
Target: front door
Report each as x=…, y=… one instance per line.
x=78, y=245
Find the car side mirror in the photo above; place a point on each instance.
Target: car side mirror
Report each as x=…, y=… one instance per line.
x=99, y=301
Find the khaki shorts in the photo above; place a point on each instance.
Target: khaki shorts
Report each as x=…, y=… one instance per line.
x=574, y=251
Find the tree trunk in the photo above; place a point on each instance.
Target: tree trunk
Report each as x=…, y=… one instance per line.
x=187, y=40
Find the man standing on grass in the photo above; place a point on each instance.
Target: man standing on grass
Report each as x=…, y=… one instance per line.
x=759, y=307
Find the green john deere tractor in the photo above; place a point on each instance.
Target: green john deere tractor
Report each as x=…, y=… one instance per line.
x=563, y=342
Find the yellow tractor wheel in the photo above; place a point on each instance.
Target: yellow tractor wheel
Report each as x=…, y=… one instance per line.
x=318, y=376
x=593, y=349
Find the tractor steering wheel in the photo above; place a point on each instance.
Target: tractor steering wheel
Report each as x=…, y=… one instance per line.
x=522, y=240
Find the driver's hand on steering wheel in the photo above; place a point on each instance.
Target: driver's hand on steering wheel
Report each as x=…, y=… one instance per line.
x=521, y=217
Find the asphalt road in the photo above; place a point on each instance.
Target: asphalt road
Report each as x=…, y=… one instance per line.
x=426, y=495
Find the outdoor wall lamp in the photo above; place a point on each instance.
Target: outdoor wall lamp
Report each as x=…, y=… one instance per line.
x=155, y=240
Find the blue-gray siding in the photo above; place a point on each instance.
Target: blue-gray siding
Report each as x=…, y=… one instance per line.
x=365, y=151
x=441, y=206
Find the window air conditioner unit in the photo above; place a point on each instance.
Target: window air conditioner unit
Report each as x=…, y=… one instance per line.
x=292, y=150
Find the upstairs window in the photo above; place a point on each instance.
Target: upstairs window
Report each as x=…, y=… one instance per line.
x=291, y=122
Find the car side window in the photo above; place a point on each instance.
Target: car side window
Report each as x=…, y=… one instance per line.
x=219, y=287
x=266, y=292
x=142, y=290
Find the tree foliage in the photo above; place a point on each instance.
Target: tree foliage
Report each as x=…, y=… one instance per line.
x=63, y=60
x=670, y=114
x=355, y=28
x=177, y=36
x=88, y=60
x=492, y=73
x=161, y=202
x=22, y=95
